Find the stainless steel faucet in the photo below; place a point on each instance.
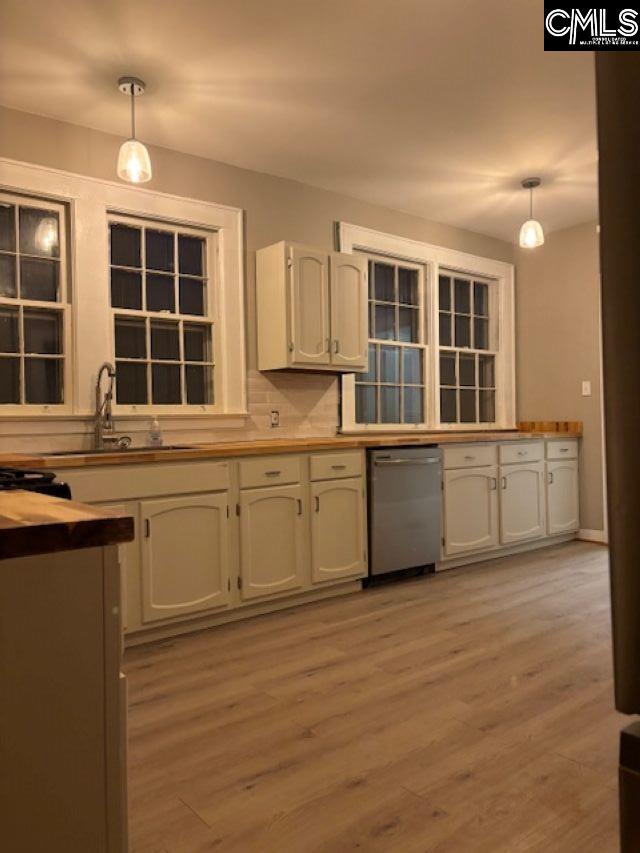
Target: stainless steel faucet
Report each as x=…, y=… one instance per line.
x=104, y=428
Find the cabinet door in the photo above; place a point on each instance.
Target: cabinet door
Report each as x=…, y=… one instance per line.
x=522, y=502
x=349, y=301
x=309, y=306
x=272, y=541
x=185, y=564
x=470, y=510
x=562, y=497
x=337, y=530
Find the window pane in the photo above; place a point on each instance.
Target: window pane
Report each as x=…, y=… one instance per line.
x=7, y=275
x=159, y=246
x=365, y=404
x=447, y=368
x=9, y=380
x=389, y=405
x=131, y=382
x=481, y=333
x=160, y=293
x=125, y=245
x=384, y=277
x=385, y=322
x=448, y=406
x=191, y=296
x=487, y=406
x=42, y=332
x=39, y=279
x=370, y=375
x=486, y=376
x=445, y=329
x=413, y=405
x=467, y=370
x=39, y=232
x=165, y=341
x=389, y=364
x=43, y=380
x=408, y=286
x=467, y=406
x=131, y=338
x=463, y=331
x=444, y=291
x=9, y=340
x=7, y=227
x=190, y=251
x=197, y=346
x=408, y=318
x=126, y=289
x=462, y=289
x=165, y=383
x=198, y=378
x=412, y=366
x=481, y=299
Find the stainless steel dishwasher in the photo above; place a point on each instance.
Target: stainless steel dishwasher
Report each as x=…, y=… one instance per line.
x=405, y=508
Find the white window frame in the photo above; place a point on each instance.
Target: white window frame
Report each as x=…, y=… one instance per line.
x=90, y=202
x=355, y=238
x=62, y=306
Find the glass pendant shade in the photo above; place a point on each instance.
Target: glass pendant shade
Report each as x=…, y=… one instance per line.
x=531, y=234
x=134, y=163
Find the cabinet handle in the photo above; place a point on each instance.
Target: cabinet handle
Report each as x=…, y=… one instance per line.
x=564, y=450
x=272, y=473
x=494, y=484
x=504, y=482
x=338, y=467
x=469, y=458
x=291, y=346
x=147, y=528
x=336, y=346
x=550, y=478
x=299, y=506
x=317, y=503
x=522, y=453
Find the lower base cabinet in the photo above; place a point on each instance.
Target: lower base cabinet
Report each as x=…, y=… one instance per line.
x=563, y=514
x=337, y=530
x=521, y=502
x=470, y=510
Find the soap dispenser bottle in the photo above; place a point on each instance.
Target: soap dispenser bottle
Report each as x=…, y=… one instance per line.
x=155, y=433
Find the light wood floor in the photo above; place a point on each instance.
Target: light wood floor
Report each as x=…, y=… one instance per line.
x=470, y=712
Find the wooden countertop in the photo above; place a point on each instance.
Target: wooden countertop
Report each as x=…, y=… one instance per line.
x=225, y=449
x=32, y=523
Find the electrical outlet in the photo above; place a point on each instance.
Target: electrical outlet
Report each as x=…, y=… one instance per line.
x=275, y=418
x=586, y=388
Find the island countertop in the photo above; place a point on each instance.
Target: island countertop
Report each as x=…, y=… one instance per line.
x=33, y=523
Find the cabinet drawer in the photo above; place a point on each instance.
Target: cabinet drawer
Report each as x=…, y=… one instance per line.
x=330, y=466
x=567, y=449
x=529, y=451
x=470, y=456
x=269, y=471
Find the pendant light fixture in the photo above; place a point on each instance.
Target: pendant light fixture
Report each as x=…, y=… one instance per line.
x=134, y=164
x=531, y=233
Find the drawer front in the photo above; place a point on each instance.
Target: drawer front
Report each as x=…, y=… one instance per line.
x=470, y=456
x=330, y=466
x=526, y=451
x=567, y=449
x=269, y=471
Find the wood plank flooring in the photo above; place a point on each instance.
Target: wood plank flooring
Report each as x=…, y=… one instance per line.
x=468, y=712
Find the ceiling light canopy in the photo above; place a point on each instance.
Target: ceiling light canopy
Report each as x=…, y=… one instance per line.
x=134, y=163
x=531, y=233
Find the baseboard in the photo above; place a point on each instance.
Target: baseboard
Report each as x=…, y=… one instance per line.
x=599, y=536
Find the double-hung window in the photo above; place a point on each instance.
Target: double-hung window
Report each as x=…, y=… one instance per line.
x=162, y=301
x=34, y=304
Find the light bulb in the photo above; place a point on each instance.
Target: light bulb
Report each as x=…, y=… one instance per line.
x=134, y=164
x=531, y=234
x=47, y=234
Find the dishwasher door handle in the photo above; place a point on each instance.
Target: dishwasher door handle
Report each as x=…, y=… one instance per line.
x=432, y=461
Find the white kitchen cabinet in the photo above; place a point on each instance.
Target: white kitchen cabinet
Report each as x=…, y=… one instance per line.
x=311, y=309
x=470, y=510
x=128, y=562
x=337, y=530
x=522, y=501
x=563, y=514
x=185, y=564
x=273, y=541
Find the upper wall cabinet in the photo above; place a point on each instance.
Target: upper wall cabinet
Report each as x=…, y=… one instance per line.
x=312, y=309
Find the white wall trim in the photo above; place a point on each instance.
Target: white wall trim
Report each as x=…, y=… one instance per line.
x=587, y=535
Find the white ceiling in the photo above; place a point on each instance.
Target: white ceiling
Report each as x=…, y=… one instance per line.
x=435, y=107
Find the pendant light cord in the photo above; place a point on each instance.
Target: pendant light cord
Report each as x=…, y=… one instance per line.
x=133, y=111
x=530, y=202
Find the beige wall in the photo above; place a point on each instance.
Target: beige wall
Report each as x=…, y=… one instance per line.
x=558, y=346
x=276, y=209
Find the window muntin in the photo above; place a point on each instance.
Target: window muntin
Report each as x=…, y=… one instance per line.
x=393, y=389
x=467, y=349
x=34, y=323
x=162, y=314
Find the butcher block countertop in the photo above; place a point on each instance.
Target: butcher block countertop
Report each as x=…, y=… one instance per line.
x=226, y=449
x=32, y=523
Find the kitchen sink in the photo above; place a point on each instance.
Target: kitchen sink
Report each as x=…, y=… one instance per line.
x=119, y=450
